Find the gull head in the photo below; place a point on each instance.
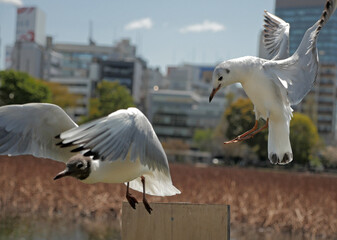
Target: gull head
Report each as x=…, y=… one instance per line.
x=222, y=77
x=78, y=167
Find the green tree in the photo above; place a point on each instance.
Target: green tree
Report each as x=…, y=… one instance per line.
x=18, y=88
x=111, y=96
x=304, y=138
x=203, y=139
x=61, y=96
x=240, y=118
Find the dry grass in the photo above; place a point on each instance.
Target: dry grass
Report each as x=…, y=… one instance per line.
x=293, y=202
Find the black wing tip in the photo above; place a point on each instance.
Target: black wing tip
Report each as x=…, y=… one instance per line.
x=79, y=149
x=93, y=154
x=58, y=136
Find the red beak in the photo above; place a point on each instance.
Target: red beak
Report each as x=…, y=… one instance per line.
x=213, y=93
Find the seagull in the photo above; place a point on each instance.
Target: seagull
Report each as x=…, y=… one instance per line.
x=277, y=83
x=119, y=148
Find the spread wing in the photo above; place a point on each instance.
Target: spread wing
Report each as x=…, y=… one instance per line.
x=298, y=73
x=276, y=37
x=122, y=134
x=31, y=129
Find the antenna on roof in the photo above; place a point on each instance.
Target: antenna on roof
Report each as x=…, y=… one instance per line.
x=91, y=41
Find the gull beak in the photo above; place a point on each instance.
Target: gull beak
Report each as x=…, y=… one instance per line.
x=62, y=174
x=214, y=92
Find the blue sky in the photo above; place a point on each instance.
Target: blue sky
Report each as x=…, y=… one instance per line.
x=165, y=32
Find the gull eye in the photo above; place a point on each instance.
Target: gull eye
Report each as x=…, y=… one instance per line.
x=79, y=165
x=220, y=78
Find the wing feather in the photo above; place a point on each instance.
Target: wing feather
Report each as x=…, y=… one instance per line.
x=31, y=129
x=298, y=73
x=276, y=37
x=121, y=135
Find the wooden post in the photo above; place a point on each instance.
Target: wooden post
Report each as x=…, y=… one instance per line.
x=176, y=221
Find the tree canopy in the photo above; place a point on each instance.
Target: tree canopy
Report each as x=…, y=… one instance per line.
x=18, y=88
x=111, y=96
x=60, y=95
x=240, y=118
x=304, y=137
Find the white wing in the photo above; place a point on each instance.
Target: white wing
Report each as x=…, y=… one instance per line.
x=122, y=134
x=276, y=37
x=298, y=73
x=31, y=129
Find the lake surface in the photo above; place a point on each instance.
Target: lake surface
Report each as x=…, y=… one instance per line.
x=19, y=229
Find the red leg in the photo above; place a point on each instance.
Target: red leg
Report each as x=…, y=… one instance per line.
x=145, y=202
x=249, y=134
x=132, y=200
x=237, y=139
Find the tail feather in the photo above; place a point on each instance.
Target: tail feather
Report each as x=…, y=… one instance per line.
x=279, y=148
x=157, y=183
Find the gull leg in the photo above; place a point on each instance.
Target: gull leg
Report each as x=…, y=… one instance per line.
x=249, y=134
x=257, y=131
x=132, y=200
x=238, y=138
x=145, y=202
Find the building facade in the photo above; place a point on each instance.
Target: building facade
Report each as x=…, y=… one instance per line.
x=27, y=55
x=184, y=106
x=80, y=67
x=320, y=103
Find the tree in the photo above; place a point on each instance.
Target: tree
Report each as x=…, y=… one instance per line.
x=203, y=139
x=61, y=96
x=303, y=133
x=240, y=117
x=18, y=88
x=111, y=96
x=304, y=138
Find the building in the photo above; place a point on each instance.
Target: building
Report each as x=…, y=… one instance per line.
x=27, y=55
x=184, y=106
x=80, y=67
x=320, y=103
x=177, y=113
x=127, y=72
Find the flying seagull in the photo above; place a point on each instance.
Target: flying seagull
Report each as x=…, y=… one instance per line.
x=274, y=85
x=121, y=147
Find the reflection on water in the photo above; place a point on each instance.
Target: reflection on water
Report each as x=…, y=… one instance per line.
x=37, y=229
x=244, y=233
x=18, y=229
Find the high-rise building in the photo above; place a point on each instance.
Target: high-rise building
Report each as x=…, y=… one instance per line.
x=81, y=66
x=177, y=111
x=302, y=14
x=28, y=52
x=320, y=103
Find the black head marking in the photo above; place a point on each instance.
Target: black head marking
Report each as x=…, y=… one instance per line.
x=227, y=70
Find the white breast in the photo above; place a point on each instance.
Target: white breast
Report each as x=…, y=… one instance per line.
x=263, y=93
x=115, y=172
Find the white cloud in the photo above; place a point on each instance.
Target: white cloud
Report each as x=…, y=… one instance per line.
x=206, y=26
x=14, y=2
x=145, y=23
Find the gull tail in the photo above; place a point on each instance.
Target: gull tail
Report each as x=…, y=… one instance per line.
x=279, y=148
x=157, y=183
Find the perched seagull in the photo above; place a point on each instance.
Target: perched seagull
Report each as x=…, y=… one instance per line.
x=121, y=147
x=274, y=85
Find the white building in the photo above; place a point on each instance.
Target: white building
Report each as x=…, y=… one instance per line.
x=176, y=113
x=28, y=52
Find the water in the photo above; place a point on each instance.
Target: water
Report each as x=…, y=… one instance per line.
x=26, y=229
x=46, y=229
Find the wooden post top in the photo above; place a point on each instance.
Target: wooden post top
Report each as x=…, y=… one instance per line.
x=176, y=221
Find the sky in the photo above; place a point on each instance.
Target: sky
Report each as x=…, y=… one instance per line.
x=166, y=33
